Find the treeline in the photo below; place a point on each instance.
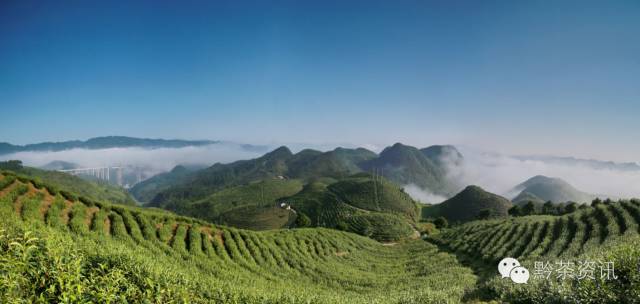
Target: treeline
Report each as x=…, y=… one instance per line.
x=551, y=208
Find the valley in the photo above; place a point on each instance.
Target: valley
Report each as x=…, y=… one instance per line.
x=312, y=227
x=319, y=152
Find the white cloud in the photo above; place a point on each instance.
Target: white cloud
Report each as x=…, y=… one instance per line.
x=500, y=173
x=422, y=195
x=154, y=160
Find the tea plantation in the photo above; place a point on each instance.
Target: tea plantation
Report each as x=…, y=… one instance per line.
x=56, y=247
x=602, y=233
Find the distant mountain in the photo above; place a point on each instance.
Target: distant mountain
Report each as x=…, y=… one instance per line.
x=525, y=197
x=104, y=143
x=549, y=189
x=279, y=163
x=590, y=163
x=338, y=163
x=60, y=165
x=426, y=168
x=145, y=191
x=469, y=204
x=443, y=155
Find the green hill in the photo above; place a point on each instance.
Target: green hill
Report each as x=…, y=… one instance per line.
x=239, y=206
x=353, y=205
x=550, y=189
x=99, y=253
x=443, y=155
x=145, y=191
x=426, y=168
x=95, y=190
x=468, y=205
x=338, y=163
x=374, y=194
x=207, y=181
x=360, y=204
x=407, y=165
x=305, y=165
x=232, y=194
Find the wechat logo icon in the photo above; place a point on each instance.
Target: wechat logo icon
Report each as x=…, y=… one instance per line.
x=511, y=268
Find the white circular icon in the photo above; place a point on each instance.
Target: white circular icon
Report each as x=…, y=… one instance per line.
x=519, y=275
x=506, y=265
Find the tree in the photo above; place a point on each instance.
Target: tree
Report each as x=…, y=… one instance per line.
x=596, y=202
x=366, y=229
x=13, y=165
x=441, y=222
x=302, y=220
x=548, y=208
x=484, y=214
x=608, y=201
x=571, y=207
x=515, y=211
x=341, y=225
x=529, y=208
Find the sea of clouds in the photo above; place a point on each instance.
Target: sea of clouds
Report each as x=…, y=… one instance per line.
x=153, y=160
x=494, y=172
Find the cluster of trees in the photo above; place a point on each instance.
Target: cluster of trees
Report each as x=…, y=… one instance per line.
x=13, y=165
x=549, y=208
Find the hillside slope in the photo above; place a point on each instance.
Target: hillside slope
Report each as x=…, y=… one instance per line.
x=279, y=163
x=100, y=252
x=358, y=203
x=608, y=232
x=145, y=190
x=407, y=165
x=95, y=190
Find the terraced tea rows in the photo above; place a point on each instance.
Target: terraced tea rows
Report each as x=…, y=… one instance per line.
x=545, y=236
x=302, y=265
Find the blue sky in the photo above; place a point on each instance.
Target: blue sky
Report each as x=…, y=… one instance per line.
x=526, y=77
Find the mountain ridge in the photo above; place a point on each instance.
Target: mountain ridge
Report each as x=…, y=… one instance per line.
x=103, y=142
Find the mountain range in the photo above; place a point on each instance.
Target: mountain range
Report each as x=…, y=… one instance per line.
x=401, y=164
x=103, y=143
x=589, y=163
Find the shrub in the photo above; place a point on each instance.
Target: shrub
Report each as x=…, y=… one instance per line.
x=515, y=211
x=302, y=220
x=68, y=195
x=13, y=165
x=86, y=201
x=441, y=222
x=51, y=189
